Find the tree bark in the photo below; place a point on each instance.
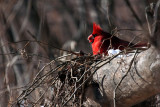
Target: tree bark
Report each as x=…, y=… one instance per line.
x=140, y=83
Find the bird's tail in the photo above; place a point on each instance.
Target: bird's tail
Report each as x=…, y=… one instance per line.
x=141, y=45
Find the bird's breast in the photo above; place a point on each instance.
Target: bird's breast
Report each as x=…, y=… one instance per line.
x=100, y=45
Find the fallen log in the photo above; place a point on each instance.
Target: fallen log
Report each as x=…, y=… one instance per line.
x=126, y=81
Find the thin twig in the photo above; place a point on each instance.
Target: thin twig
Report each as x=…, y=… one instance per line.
x=114, y=92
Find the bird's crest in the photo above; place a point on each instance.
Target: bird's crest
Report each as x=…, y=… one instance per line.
x=96, y=29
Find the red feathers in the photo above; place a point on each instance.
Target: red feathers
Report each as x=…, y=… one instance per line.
x=103, y=41
x=96, y=29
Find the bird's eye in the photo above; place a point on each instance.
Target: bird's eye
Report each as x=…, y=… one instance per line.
x=94, y=35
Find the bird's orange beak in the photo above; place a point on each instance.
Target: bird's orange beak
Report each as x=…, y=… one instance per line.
x=91, y=38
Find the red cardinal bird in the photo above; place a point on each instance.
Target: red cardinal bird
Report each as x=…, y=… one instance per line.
x=103, y=41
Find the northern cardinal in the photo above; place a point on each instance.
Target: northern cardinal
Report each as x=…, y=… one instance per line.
x=103, y=41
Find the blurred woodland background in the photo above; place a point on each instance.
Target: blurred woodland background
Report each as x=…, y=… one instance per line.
x=58, y=24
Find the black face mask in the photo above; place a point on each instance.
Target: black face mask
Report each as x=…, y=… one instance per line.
x=94, y=35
